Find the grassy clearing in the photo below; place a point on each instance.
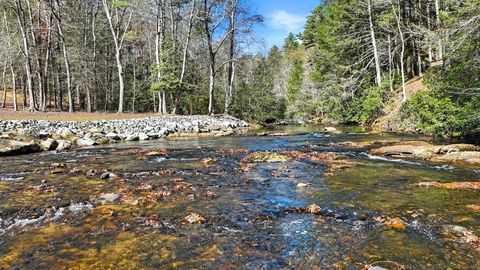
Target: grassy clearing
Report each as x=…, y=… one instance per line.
x=8, y=114
x=23, y=114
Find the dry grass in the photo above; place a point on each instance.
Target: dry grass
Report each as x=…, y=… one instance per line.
x=9, y=100
x=392, y=116
x=8, y=113
x=65, y=116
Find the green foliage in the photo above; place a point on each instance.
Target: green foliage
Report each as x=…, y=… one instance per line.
x=294, y=81
x=255, y=100
x=368, y=106
x=169, y=80
x=120, y=4
x=291, y=43
x=441, y=115
x=309, y=33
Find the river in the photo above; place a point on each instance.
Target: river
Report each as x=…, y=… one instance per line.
x=61, y=211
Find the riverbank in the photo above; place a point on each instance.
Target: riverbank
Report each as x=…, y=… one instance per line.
x=30, y=136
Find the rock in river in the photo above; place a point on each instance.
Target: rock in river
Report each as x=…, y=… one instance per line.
x=12, y=147
x=49, y=144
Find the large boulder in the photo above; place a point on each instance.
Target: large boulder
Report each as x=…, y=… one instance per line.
x=470, y=157
x=113, y=136
x=13, y=148
x=420, y=150
x=49, y=144
x=63, y=145
x=85, y=141
x=65, y=132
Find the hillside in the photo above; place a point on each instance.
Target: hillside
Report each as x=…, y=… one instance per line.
x=392, y=118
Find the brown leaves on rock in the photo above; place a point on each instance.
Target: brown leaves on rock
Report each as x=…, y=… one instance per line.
x=314, y=209
x=142, y=151
x=453, y=185
x=167, y=172
x=157, y=195
x=461, y=234
x=194, y=218
x=246, y=167
x=210, y=194
x=92, y=172
x=181, y=186
x=43, y=188
x=474, y=207
x=145, y=187
x=269, y=157
x=395, y=223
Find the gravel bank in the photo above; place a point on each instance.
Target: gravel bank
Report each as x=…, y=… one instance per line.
x=27, y=136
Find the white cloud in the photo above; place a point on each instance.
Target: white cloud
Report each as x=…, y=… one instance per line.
x=282, y=19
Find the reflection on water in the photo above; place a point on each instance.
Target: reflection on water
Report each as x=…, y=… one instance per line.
x=57, y=213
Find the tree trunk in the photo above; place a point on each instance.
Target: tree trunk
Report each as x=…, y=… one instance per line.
x=164, y=103
x=46, y=66
x=187, y=42
x=118, y=42
x=26, y=52
x=374, y=45
x=429, y=26
x=211, y=87
x=66, y=59
x=120, y=81
x=390, y=62
x=440, y=47
x=37, y=54
x=402, y=52
x=231, y=55
x=134, y=83
x=4, y=84
x=159, y=36
x=14, y=88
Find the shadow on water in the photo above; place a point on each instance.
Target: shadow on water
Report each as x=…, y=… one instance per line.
x=51, y=216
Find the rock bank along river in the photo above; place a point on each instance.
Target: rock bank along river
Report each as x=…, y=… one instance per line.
x=303, y=201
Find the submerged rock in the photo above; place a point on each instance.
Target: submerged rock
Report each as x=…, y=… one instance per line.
x=269, y=157
x=395, y=223
x=194, y=218
x=107, y=198
x=454, y=185
x=314, y=209
x=464, y=153
x=461, y=234
x=331, y=130
x=470, y=157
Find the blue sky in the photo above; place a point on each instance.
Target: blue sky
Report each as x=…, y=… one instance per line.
x=281, y=18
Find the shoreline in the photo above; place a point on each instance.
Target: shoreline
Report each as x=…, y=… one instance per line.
x=30, y=136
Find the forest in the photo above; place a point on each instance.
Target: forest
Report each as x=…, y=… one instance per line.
x=352, y=64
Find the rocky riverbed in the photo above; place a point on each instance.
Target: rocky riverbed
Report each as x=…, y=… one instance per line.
x=294, y=198
x=30, y=136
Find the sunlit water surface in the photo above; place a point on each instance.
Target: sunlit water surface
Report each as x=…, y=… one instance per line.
x=49, y=218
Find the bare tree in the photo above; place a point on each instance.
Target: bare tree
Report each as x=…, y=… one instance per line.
x=374, y=44
x=119, y=32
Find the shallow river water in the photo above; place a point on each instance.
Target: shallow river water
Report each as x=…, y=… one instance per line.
x=56, y=211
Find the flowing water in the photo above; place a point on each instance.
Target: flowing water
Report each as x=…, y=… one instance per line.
x=51, y=216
